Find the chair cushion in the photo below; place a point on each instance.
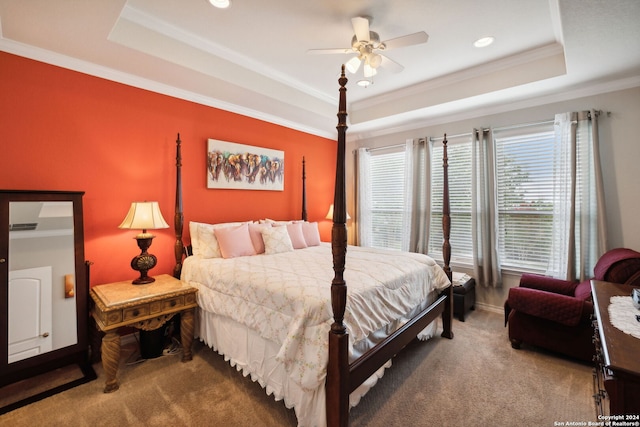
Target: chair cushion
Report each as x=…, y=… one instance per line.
x=563, y=309
x=549, y=284
x=583, y=291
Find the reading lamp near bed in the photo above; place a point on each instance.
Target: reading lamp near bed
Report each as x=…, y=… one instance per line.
x=330, y=213
x=144, y=216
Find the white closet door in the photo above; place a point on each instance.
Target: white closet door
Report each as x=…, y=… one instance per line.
x=30, y=317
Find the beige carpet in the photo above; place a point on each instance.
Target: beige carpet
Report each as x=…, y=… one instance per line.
x=476, y=379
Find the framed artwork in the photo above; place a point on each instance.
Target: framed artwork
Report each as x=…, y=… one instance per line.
x=244, y=167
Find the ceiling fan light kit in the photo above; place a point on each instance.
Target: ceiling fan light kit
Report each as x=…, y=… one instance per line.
x=367, y=45
x=353, y=64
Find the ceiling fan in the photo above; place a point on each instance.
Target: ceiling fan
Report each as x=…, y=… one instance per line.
x=368, y=47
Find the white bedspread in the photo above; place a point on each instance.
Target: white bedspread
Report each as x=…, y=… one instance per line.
x=286, y=297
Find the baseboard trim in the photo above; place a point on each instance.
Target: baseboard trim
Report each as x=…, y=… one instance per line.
x=488, y=307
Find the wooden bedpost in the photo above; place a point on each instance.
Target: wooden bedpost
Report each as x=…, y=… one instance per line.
x=304, y=190
x=337, y=385
x=179, y=217
x=447, y=315
x=446, y=210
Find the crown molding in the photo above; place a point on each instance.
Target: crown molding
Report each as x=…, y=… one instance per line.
x=70, y=63
x=430, y=117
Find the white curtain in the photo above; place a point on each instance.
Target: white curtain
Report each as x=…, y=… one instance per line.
x=579, y=223
x=408, y=194
x=484, y=210
x=416, y=181
x=363, y=236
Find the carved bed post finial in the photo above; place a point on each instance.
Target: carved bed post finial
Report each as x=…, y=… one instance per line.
x=179, y=216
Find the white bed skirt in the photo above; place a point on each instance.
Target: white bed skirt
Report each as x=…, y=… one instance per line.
x=256, y=357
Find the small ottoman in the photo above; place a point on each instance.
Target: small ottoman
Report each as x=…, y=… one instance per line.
x=464, y=294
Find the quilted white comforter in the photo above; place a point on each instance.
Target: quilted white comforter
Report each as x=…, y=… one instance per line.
x=286, y=297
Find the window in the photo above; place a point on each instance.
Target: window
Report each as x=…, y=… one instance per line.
x=524, y=175
x=387, y=197
x=524, y=185
x=459, y=171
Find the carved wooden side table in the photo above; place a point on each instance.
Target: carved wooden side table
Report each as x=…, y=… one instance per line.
x=146, y=307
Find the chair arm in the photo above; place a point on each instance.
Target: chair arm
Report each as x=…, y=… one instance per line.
x=549, y=284
x=558, y=308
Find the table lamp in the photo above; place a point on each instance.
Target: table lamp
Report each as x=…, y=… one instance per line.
x=144, y=216
x=330, y=213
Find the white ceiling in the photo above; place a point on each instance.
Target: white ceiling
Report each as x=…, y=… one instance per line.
x=252, y=58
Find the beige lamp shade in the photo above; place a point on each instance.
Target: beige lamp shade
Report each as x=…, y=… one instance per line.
x=330, y=213
x=144, y=216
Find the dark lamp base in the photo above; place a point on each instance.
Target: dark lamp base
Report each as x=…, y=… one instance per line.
x=144, y=262
x=143, y=280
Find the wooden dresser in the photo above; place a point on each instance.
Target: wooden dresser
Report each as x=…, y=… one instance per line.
x=617, y=371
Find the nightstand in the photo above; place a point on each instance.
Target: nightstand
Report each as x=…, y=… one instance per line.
x=464, y=295
x=145, y=307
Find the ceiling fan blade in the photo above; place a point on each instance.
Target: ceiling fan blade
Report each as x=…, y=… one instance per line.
x=390, y=65
x=408, y=40
x=330, y=51
x=361, y=28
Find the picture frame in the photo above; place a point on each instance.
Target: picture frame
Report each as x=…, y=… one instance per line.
x=244, y=167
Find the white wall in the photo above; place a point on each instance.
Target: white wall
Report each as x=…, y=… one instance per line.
x=619, y=150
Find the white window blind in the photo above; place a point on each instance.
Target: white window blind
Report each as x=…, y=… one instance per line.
x=524, y=174
x=387, y=197
x=459, y=172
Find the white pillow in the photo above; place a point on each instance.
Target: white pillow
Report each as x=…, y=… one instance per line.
x=274, y=222
x=276, y=240
x=311, y=233
x=195, y=241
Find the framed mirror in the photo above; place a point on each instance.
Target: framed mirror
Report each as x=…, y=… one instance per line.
x=44, y=289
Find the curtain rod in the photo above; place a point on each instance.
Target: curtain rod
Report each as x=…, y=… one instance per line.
x=502, y=128
x=389, y=147
x=510, y=127
x=441, y=138
x=386, y=147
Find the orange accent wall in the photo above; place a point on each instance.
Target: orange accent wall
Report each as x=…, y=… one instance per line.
x=64, y=130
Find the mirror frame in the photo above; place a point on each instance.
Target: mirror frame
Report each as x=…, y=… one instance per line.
x=77, y=353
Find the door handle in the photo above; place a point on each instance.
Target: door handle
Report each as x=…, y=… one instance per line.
x=45, y=335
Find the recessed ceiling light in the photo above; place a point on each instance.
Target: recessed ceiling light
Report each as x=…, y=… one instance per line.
x=483, y=42
x=220, y=4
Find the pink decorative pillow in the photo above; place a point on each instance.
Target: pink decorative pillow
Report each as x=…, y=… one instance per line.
x=256, y=236
x=203, y=239
x=311, y=233
x=234, y=241
x=297, y=237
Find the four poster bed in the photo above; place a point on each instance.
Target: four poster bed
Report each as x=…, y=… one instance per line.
x=274, y=316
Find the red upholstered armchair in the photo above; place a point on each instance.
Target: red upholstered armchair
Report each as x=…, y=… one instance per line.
x=556, y=314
